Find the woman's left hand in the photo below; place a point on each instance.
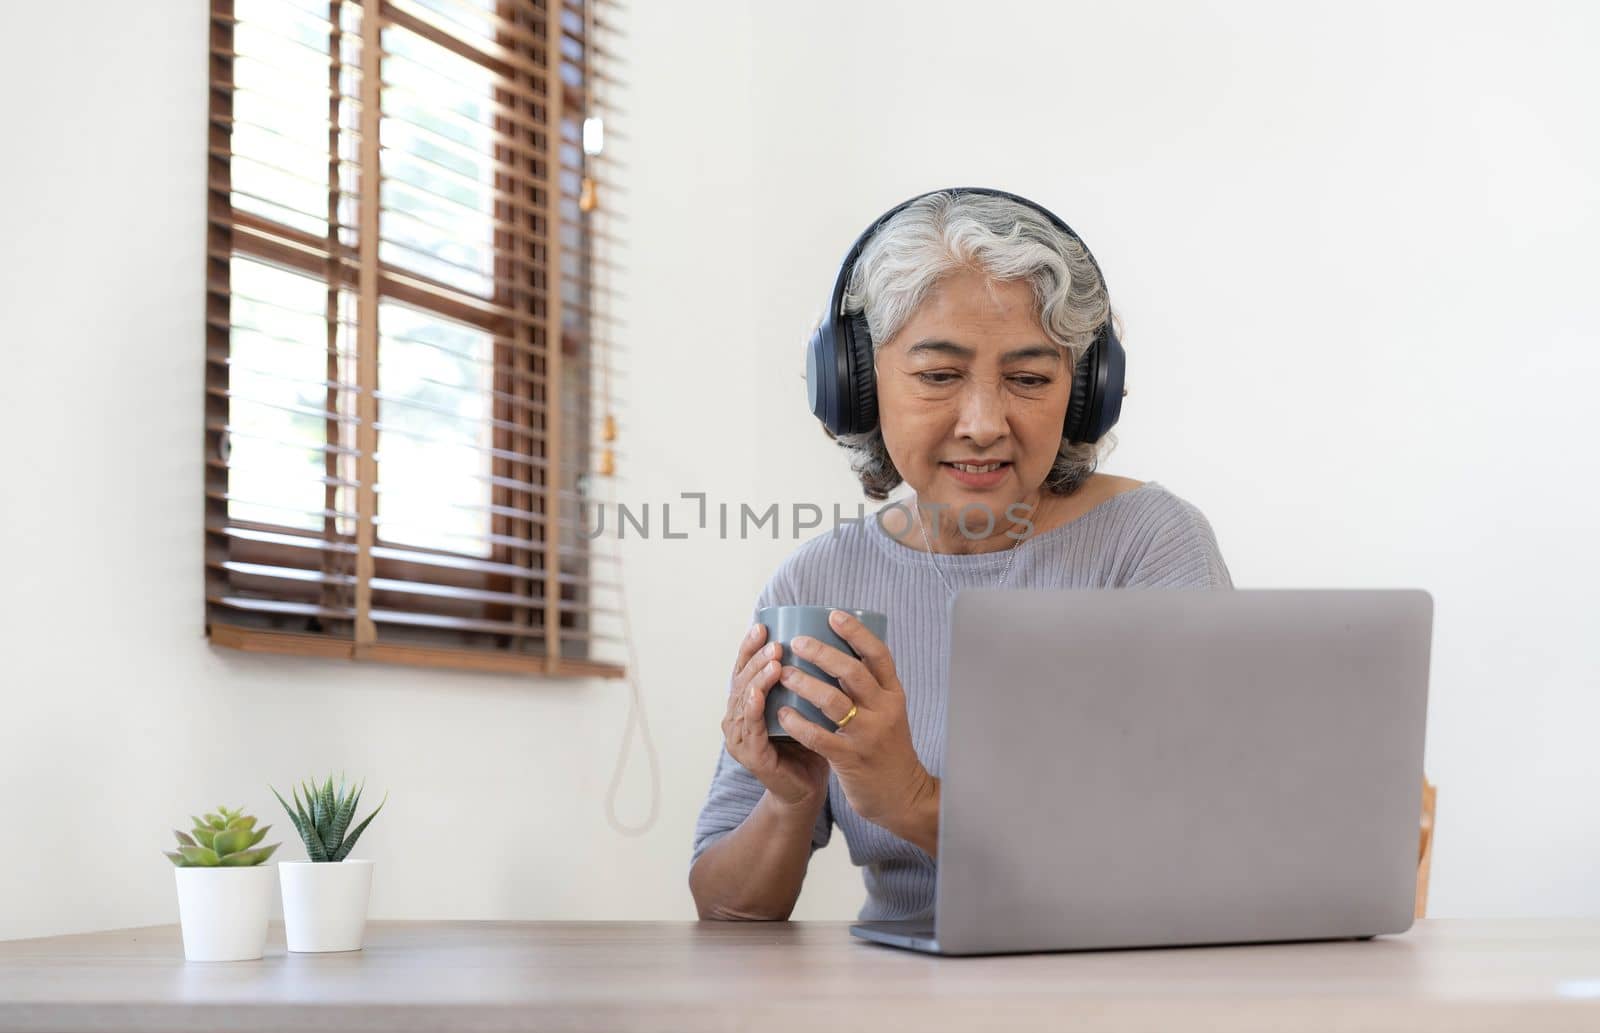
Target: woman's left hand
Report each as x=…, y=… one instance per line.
x=878, y=769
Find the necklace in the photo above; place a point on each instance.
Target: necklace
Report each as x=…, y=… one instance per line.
x=1010, y=557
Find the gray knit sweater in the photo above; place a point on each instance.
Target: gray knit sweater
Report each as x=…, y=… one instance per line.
x=1147, y=537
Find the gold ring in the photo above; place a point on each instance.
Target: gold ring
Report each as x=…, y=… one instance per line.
x=846, y=718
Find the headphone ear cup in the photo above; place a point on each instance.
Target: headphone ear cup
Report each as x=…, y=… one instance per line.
x=822, y=384
x=1097, y=383
x=1084, y=376
x=863, y=392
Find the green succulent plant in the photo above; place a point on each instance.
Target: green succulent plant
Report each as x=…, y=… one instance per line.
x=225, y=839
x=324, y=816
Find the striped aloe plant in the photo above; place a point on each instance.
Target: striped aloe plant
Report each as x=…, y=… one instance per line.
x=324, y=815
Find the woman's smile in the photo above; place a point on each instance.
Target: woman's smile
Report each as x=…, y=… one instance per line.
x=978, y=475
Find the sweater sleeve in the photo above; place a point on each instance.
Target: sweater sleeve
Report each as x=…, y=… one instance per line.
x=734, y=790
x=1181, y=552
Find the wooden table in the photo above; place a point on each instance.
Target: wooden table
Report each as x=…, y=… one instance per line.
x=773, y=976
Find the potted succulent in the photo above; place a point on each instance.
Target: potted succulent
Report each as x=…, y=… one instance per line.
x=325, y=896
x=224, y=888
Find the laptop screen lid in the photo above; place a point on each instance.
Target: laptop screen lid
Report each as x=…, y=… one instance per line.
x=1146, y=767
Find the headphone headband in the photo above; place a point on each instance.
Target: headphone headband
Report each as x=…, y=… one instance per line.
x=842, y=282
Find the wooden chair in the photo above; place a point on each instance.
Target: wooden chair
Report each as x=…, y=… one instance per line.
x=1425, y=847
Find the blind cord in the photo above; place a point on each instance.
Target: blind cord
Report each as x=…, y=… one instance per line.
x=635, y=709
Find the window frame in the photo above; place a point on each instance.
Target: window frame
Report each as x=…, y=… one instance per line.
x=529, y=417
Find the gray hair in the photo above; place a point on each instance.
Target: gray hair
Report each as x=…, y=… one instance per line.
x=947, y=231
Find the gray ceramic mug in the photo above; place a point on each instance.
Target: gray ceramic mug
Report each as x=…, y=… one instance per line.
x=784, y=624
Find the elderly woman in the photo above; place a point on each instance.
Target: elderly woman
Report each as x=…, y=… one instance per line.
x=979, y=309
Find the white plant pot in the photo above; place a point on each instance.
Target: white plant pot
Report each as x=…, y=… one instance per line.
x=224, y=911
x=325, y=904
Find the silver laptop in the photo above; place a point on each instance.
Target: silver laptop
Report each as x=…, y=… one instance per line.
x=1163, y=767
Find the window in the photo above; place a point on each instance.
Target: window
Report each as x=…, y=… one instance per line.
x=403, y=333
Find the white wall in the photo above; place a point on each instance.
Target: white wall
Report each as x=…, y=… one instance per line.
x=1352, y=249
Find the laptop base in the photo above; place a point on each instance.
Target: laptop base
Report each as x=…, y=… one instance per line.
x=918, y=934
x=912, y=934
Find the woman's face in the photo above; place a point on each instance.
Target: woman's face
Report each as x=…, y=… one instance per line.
x=973, y=378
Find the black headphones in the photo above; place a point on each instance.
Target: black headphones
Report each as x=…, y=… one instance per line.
x=842, y=384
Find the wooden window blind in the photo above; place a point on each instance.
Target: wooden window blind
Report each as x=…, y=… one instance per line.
x=405, y=326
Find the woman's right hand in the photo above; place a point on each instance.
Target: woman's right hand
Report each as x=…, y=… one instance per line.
x=796, y=776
